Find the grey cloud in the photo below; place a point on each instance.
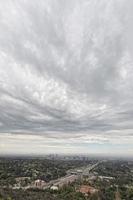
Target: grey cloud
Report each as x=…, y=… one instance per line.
x=65, y=66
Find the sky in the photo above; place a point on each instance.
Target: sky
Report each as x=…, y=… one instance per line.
x=66, y=77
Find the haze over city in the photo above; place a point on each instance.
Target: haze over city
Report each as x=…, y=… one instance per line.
x=66, y=77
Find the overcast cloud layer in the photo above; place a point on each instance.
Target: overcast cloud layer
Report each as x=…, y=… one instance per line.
x=66, y=76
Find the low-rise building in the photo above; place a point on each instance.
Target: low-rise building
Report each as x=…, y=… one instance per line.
x=39, y=183
x=106, y=177
x=87, y=190
x=54, y=187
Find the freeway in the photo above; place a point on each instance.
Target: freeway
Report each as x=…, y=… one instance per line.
x=71, y=176
x=83, y=170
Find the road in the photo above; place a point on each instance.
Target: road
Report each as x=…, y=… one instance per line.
x=71, y=176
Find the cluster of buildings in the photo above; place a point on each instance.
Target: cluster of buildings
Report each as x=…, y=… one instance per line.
x=59, y=183
x=72, y=176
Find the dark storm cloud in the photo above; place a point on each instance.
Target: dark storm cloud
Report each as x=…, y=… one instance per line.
x=66, y=67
